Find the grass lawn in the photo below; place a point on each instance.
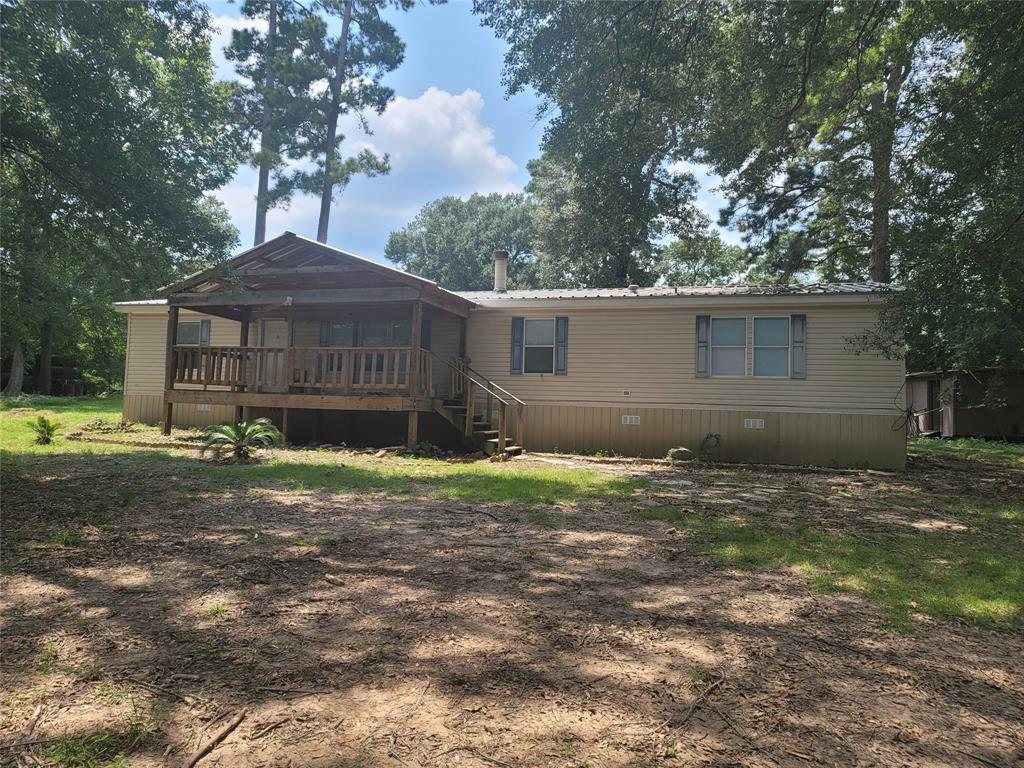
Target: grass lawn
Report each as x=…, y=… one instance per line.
x=367, y=610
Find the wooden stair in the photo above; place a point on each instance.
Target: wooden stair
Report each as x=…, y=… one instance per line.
x=481, y=434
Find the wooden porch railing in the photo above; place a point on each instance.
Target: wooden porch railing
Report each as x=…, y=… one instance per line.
x=325, y=369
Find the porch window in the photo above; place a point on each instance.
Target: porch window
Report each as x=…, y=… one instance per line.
x=771, y=347
x=381, y=333
x=193, y=333
x=728, y=346
x=539, y=346
x=337, y=334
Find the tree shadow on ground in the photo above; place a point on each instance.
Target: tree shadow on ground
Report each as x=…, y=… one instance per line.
x=362, y=622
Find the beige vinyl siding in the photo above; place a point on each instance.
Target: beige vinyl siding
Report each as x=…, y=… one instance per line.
x=650, y=353
x=147, y=347
x=444, y=343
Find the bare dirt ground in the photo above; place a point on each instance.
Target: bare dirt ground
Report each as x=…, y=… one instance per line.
x=373, y=630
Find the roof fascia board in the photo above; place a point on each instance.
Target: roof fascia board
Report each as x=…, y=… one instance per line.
x=676, y=301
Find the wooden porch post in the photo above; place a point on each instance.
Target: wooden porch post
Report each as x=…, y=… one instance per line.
x=172, y=337
x=243, y=341
x=412, y=432
x=284, y=423
x=462, y=337
x=414, y=351
x=289, y=356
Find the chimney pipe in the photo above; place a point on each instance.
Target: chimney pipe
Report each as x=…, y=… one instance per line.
x=500, y=271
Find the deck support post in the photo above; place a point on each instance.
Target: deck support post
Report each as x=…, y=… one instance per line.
x=412, y=432
x=414, y=348
x=284, y=423
x=172, y=337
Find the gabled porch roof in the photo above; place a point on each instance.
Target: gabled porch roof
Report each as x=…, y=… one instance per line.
x=291, y=270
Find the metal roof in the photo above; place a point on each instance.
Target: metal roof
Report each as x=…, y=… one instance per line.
x=808, y=289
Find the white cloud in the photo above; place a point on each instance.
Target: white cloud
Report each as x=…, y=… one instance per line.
x=438, y=146
x=223, y=26
x=442, y=131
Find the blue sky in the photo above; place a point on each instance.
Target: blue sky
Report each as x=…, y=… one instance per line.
x=450, y=131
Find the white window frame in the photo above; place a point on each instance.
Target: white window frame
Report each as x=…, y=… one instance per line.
x=199, y=333
x=754, y=347
x=551, y=346
x=712, y=346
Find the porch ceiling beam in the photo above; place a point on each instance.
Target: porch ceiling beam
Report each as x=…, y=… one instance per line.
x=339, y=269
x=225, y=312
x=458, y=307
x=333, y=296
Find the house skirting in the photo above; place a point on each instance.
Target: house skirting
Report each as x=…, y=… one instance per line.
x=148, y=409
x=787, y=437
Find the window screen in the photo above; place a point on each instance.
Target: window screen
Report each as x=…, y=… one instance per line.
x=342, y=334
x=539, y=346
x=193, y=333
x=728, y=346
x=375, y=334
x=771, y=346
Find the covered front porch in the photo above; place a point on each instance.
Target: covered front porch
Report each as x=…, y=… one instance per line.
x=318, y=329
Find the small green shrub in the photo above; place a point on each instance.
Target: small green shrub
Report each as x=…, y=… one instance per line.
x=44, y=429
x=242, y=439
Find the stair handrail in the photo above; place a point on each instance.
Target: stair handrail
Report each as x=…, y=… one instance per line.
x=480, y=384
x=491, y=383
x=467, y=372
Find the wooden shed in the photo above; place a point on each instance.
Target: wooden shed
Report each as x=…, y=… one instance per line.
x=980, y=403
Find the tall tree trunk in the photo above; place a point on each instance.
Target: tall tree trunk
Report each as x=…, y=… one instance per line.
x=883, y=132
x=327, y=194
x=44, y=376
x=262, y=203
x=17, y=377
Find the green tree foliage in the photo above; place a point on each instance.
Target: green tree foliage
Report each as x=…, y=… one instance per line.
x=279, y=68
x=366, y=48
x=452, y=241
x=856, y=140
x=596, y=234
x=703, y=259
x=113, y=131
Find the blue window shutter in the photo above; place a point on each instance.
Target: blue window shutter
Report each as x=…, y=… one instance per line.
x=798, y=347
x=516, y=361
x=204, y=333
x=425, y=333
x=325, y=333
x=561, y=345
x=703, y=347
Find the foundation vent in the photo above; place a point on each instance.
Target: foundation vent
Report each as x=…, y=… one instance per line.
x=631, y=421
x=753, y=423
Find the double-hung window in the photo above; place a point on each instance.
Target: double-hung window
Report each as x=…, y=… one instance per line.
x=539, y=346
x=728, y=346
x=779, y=346
x=193, y=333
x=771, y=347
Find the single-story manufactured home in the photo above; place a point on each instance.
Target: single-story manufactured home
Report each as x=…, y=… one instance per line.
x=337, y=348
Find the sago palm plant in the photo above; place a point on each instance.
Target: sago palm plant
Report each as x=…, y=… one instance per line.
x=241, y=439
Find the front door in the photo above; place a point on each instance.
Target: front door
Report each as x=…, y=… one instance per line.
x=273, y=336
